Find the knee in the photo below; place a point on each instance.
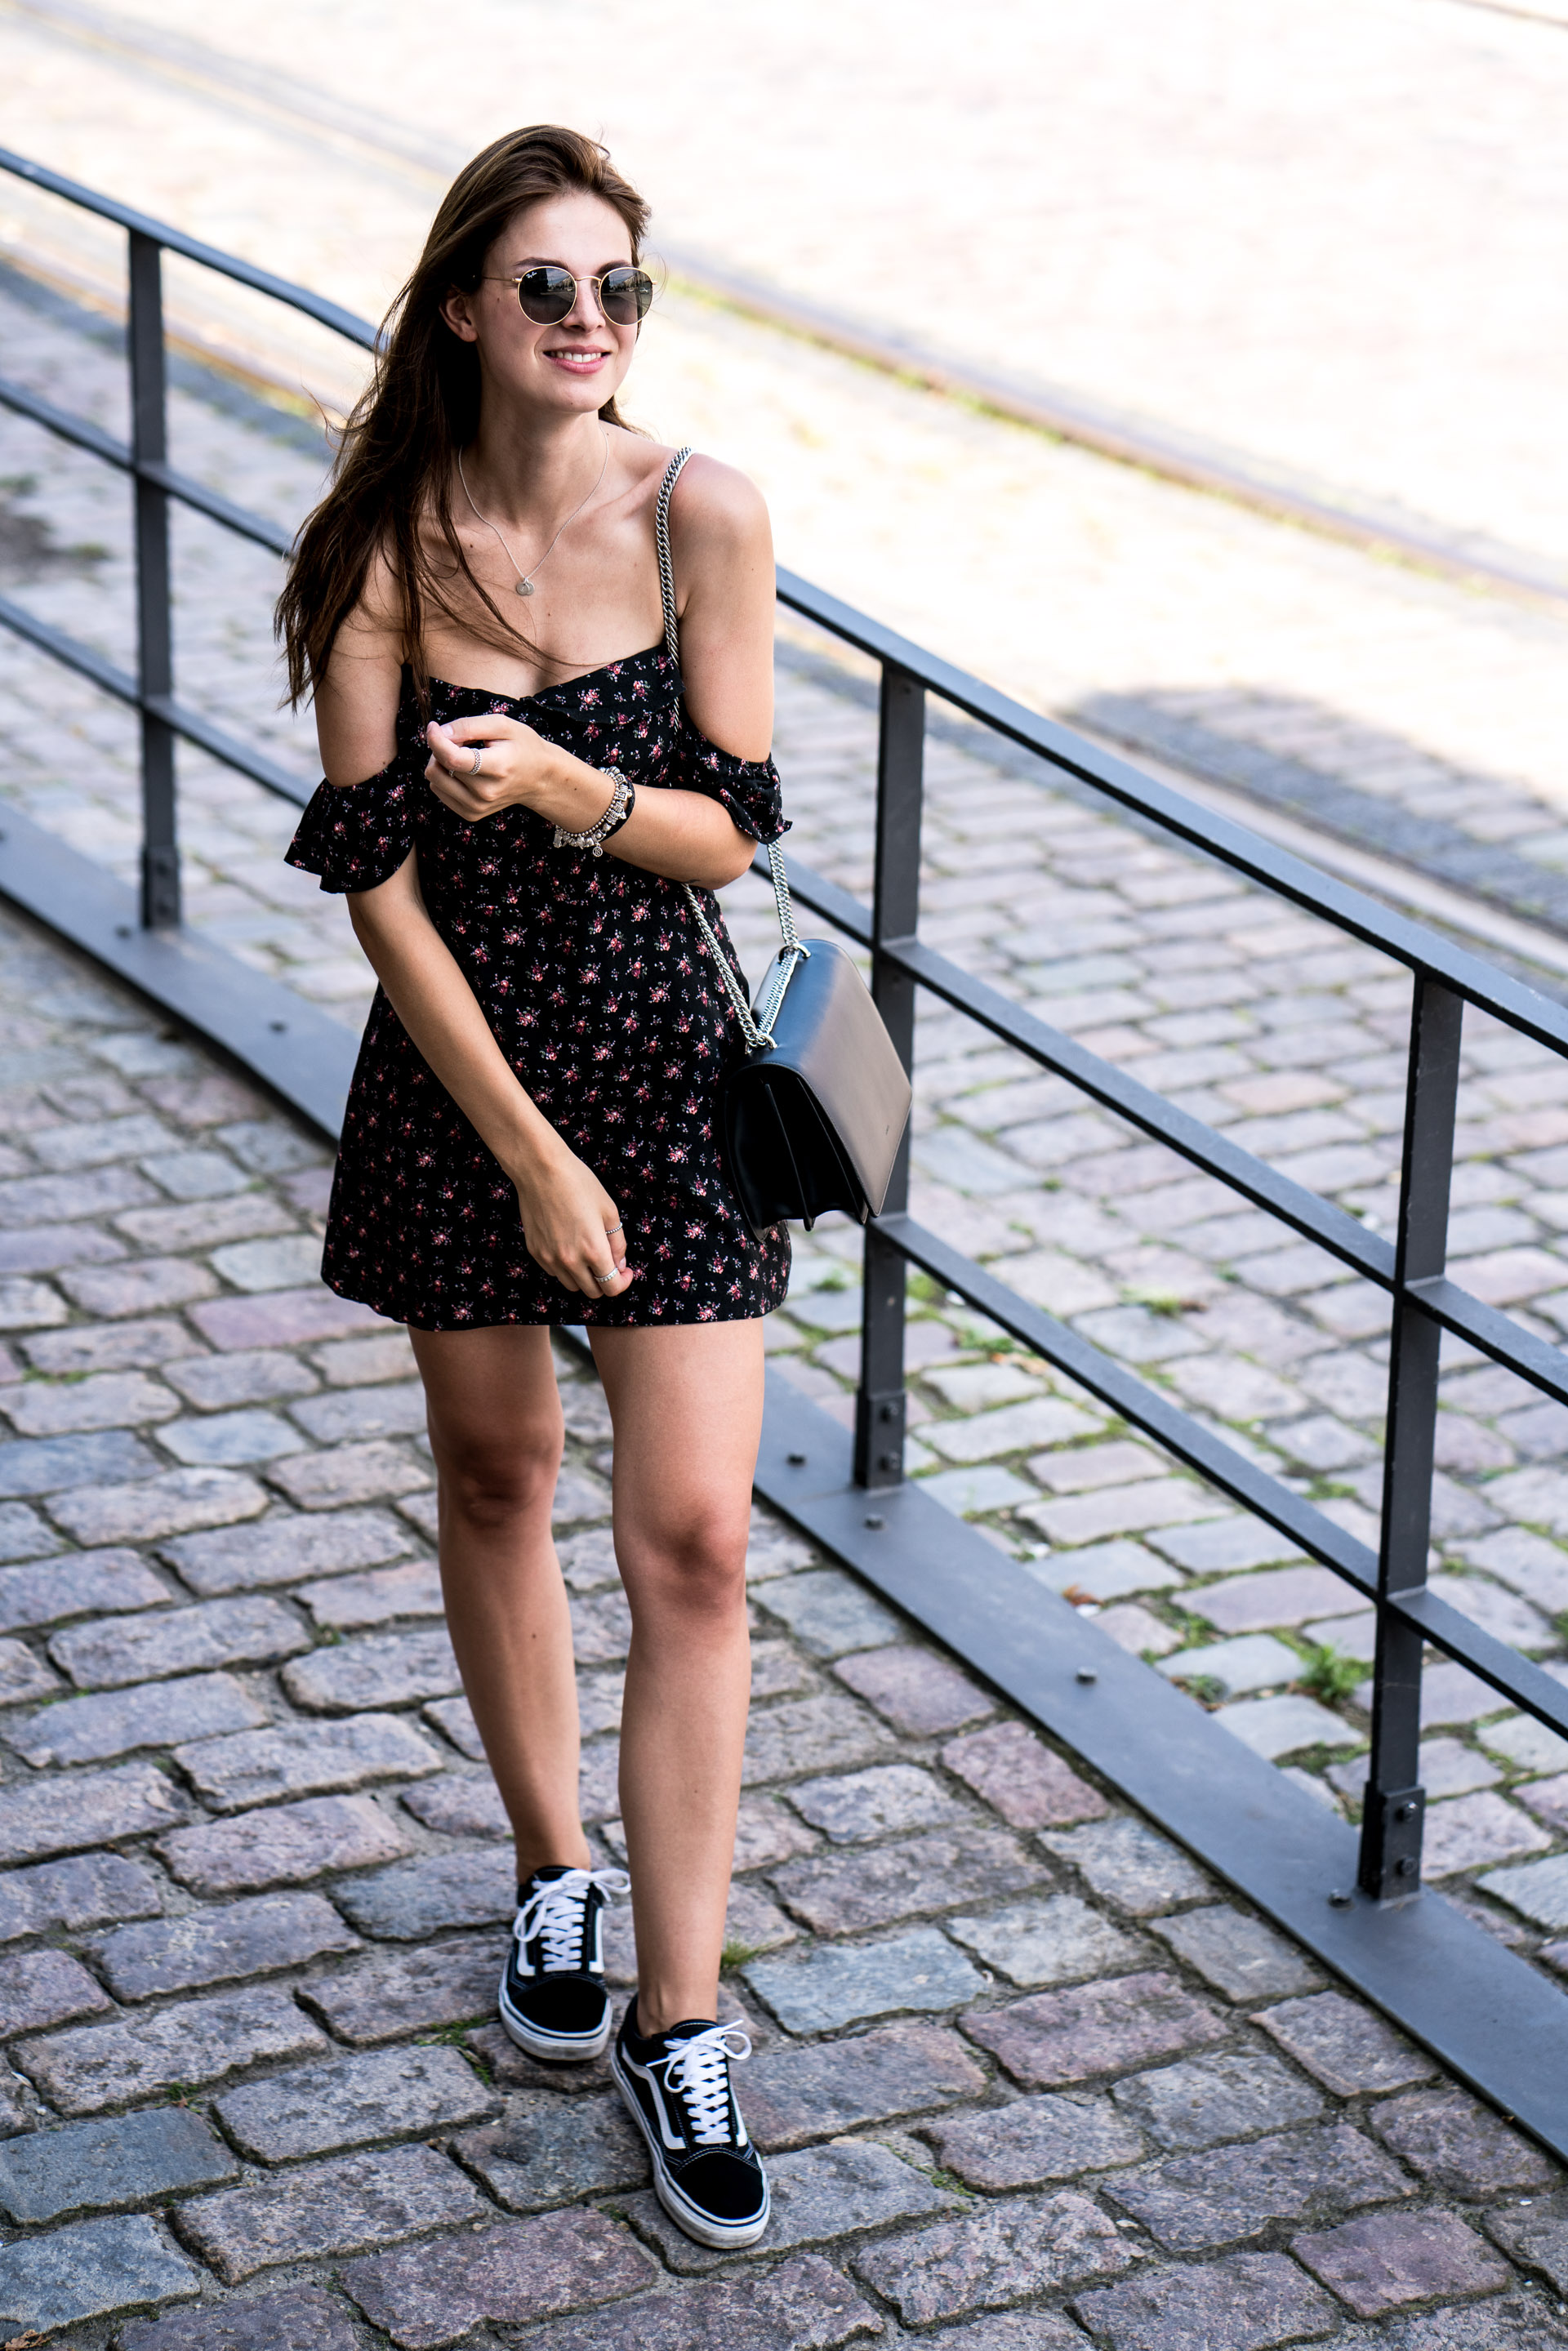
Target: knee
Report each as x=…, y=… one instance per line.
x=695, y=1566
x=491, y=1484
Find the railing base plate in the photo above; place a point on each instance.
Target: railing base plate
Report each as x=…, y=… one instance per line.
x=303, y=1055
x=1490, y=2017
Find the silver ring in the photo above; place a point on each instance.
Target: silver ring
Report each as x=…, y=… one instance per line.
x=614, y=1228
x=602, y=1278
x=478, y=755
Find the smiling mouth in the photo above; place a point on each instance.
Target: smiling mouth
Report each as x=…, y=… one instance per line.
x=575, y=359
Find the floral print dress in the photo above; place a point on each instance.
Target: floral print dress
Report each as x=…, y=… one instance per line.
x=600, y=993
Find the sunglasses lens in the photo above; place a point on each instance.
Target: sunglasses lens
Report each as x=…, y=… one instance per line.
x=546, y=294
x=626, y=295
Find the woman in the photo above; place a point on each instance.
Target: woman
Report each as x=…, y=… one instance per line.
x=518, y=782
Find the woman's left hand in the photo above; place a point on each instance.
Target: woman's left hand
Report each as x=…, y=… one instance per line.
x=517, y=767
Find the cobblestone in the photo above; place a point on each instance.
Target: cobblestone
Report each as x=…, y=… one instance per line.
x=809, y=1734
x=915, y=1691
x=333, y=2207
x=1030, y=1787
x=1000, y=2254
x=173, y=1504
x=1128, y=1863
x=44, y=1988
x=1197, y=2203
x=281, y=1846
x=218, y=1946
x=830, y=1986
x=1376, y=2265
x=522, y=2271
x=1346, y=2047
x=1247, y=2303
x=1071, y=2036
x=1035, y=2141
x=110, y=1580
x=90, y=1729
x=297, y=1759
x=113, y=1652
x=1239, y=1956
x=126, y=2159
x=550, y=2150
x=418, y=1898
x=122, y=1802
x=349, y=1603
x=1049, y=1942
x=283, y=1548
x=84, y=2272
x=801, y=2306
x=408, y=1991
x=1206, y=2100
x=320, y=2108
x=95, y=2065
x=1540, y=2242
x=387, y=1669
x=300, y=2319
x=844, y=1893
x=829, y=1613
x=819, y=2090
x=81, y=1892
x=890, y=1796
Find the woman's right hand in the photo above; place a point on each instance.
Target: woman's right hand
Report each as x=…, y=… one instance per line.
x=571, y=1225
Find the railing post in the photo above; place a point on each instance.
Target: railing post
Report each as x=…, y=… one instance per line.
x=895, y=915
x=154, y=635
x=1395, y=1808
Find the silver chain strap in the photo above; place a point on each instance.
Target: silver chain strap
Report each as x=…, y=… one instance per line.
x=756, y=1033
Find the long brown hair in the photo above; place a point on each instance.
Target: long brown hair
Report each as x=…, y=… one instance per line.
x=392, y=477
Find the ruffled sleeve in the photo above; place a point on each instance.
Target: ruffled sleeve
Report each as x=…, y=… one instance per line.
x=748, y=788
x=357, y=835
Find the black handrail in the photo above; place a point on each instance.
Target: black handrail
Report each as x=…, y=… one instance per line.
x=1444, y=978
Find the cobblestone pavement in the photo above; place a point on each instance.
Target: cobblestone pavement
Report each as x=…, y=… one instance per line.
x=1015, y=2054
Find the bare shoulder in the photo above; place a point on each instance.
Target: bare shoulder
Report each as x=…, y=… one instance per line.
x=718, y=511
x=376, y=618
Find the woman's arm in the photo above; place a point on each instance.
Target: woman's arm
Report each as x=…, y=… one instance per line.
x=723, y=546
x=570, y=1222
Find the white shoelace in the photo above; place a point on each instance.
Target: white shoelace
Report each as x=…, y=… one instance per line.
x=697, y=2069
x=554, y=1913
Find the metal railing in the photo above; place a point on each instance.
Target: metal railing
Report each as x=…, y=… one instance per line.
x=1410, y=1269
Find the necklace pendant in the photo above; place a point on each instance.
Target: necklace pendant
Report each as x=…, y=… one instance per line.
x=524, y=588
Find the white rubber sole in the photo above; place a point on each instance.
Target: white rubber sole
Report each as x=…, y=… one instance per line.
x=555, y=2048
x=722, y=2236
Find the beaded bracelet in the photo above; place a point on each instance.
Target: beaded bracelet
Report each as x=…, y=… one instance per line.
x=622, y=800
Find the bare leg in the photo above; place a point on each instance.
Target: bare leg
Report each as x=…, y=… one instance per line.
x=686, y=1403
x=496, y=1428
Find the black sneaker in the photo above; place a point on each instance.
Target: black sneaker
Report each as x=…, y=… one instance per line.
x=707, y=2173
x=553, y=2001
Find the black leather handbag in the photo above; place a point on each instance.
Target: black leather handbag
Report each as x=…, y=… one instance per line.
x=813, y=1117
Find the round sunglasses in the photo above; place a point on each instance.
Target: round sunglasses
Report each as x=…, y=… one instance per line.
x=547, y=293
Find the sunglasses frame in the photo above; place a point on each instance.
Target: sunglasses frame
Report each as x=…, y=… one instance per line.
x=515, y=280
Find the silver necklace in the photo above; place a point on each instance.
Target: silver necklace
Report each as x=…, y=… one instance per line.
x=524, y=586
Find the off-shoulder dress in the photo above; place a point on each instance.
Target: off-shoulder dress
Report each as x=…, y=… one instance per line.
x=599, y=990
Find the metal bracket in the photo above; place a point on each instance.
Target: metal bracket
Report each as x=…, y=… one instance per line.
x=880, y=1417
x=1391, y=1831
x=160, y=889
